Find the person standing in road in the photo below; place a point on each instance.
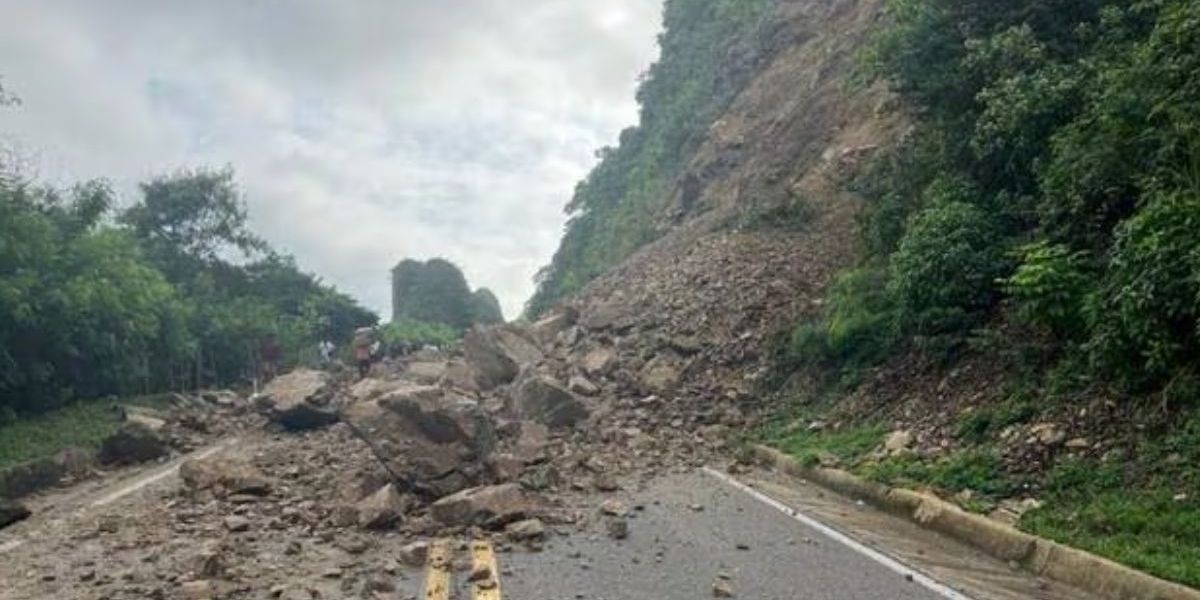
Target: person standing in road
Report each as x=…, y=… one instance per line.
x=325, y=350
x=363, y=345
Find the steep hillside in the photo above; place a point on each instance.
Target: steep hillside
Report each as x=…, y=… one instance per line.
x=703, y=135
x=955, y=278
x=756, y=225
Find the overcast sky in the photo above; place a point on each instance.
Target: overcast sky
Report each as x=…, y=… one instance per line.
x=362, y=131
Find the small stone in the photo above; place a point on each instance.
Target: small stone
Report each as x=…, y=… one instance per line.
x=722, y=589
x=237, y=524
x=529, y=529
x=617, y=527
x=414, y=554
x=614, y=508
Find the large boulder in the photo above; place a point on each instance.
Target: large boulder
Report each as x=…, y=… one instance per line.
x=132, y=443
x=224, y=476
x=492, y=506
x=542, y=399
x=11, y=511
x=427, y=436
x=302, y=399
x=496, y=354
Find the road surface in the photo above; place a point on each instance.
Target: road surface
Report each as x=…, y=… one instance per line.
x=761, y=537
x=755, y=536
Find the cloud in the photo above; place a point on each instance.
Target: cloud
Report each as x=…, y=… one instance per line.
x=362, y=132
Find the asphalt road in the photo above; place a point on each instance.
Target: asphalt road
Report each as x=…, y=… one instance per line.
x=690, y=531
x=693, y=530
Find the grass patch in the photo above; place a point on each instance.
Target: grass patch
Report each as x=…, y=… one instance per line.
x=1147, y=529
x=80, y=425
x=977, y=425
x=83, y=425
x=979, y=470
x=848, y=444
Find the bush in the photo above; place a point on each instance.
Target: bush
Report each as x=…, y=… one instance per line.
x=1050, y=287
x=408, y=333
x=857, y=327
x=1146, y=320
x=944, y=273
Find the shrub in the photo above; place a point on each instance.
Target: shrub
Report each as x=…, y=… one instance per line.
x=1050, y=286
x=412, y=333
x=857, y=327
x=1146, y=320
x=944, y=273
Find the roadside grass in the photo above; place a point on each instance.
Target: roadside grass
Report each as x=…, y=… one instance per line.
x=848, y=444
x=979, y=470
x=81, y=425
x=1142, y=511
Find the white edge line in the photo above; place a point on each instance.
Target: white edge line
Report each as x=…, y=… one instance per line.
x=166, y=472
x=883, y=559
x=13, y=544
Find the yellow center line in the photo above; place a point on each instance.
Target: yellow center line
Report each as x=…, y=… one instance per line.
x=437, y=570
x=486, y=584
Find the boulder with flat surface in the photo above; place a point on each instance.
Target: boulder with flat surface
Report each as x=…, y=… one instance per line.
x=494, y=505
x=382, y=510
x=496, y=354
x=542, y=399
x=224, y=475
x=432, y=440
x=302, y=399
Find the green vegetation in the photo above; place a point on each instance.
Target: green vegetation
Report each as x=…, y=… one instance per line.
x=406, y=334
x=847, y=445
x=82, y=425
x=92, y=305
x=1055, y=167
x=709, y=50
x=436, y=291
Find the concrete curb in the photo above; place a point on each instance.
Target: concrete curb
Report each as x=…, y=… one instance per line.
x=1037, y=555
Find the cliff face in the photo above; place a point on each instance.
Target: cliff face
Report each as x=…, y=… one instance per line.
x=756, y=225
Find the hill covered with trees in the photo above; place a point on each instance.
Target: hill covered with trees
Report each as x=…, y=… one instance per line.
x=436, y=291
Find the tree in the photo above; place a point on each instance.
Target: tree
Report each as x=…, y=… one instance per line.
x=191, y=220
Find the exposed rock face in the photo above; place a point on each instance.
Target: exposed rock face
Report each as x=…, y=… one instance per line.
x=299, y=400
x=497, y=353
x=542, y=399
x=382, y=510
x=11, y=512
x=492, y=506
x=132, y=443
x=225, y=476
